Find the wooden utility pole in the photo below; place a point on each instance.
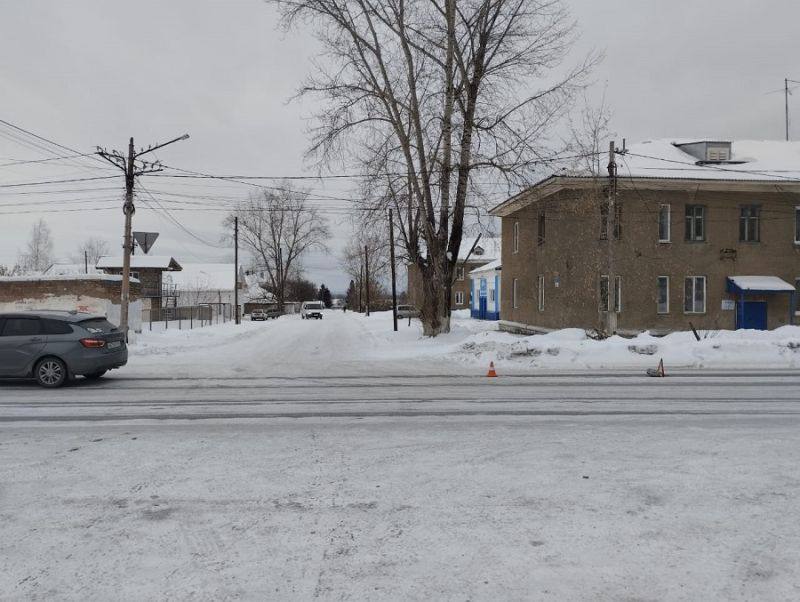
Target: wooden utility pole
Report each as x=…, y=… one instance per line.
x=366, y=273
x=86, y=261
x=236, y=266
x=360, y=286
x=131, y=170
x=612, y=228
x=391, y=259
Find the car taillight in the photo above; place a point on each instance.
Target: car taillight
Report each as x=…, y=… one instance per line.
x=93, y=343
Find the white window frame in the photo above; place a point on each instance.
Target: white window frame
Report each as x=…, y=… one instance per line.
x=514, y=294
x=617, y=294
x=540, y=286
x=459, y=297
x=797, y=224
x=607, y=280
x=515, y=237
x=460, y=272
x=658, y=284
x=694, y=280
x=491, y=295
x=668, y=208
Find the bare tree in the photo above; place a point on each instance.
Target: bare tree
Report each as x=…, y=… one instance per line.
x=429, y=95
x=370, y=269
x=91, y=250
x=38, y=254
x=279, y=226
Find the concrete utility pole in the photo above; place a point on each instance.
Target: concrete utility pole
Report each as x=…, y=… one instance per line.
x=786, y=93
x=236, y=266
x=86, y=261
x=391, y=259
x=366, y=274
x=131, y=170
x=611, y=230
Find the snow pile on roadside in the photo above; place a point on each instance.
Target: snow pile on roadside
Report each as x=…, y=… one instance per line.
x=572, y=349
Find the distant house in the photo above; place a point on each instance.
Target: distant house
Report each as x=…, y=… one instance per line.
x=148, y=269
x=205, y=284
x=485, y=281
x=703, y=233
x=67, y=268
x=487, y=249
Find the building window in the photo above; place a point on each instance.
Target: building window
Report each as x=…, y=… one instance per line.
x=541, y=228
x=460, y=273
x=797, y=225
x=748, y=223
x=540, y=286
x=662, y=298
x=515, y=237
x=797, y=296
x=695, y=222
x=604, y=220
x=664, y=233
x=617, y=294
x=617, y=221
x=459, y=297
x=514, y=296
x=694, y=295
x=491, y=295
x=604, y=306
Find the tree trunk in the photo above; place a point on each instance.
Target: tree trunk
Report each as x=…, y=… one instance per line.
x=435, y=310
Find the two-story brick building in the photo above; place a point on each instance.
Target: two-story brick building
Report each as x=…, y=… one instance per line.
x=706, y=233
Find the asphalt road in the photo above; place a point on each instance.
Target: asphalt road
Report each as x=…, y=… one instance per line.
x=682, y=393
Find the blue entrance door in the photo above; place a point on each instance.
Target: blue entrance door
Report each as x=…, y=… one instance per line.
x=482, y=311
x=754, y=316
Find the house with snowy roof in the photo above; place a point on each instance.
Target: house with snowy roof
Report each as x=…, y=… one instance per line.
x=698, y=232
x=474, y=253
x=205, y=284
x=148, y=269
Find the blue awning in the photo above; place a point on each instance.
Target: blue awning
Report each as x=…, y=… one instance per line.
x=762, y=285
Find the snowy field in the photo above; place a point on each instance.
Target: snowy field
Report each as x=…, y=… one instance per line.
x=351, y=343
x=337, y=460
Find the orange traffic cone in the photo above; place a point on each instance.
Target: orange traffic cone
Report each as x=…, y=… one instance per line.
x=491, y=372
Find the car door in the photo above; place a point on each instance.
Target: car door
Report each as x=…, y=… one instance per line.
x=21, y=340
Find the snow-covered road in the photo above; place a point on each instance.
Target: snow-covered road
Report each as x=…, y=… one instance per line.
x=285, y=461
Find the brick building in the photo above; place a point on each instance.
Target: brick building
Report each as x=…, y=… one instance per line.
x=487, y=249
x=91, y=293
x=706, y=233
x=148, y=270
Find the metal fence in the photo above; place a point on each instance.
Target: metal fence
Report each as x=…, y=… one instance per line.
x=188, y=317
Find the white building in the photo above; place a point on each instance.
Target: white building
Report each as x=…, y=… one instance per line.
x=205, y=283
x=485, y=286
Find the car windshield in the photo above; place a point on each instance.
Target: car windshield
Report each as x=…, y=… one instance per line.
x=313, y=305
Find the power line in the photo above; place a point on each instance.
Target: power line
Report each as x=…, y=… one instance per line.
x=46, y=182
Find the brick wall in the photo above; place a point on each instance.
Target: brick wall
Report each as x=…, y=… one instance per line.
x=13, y=289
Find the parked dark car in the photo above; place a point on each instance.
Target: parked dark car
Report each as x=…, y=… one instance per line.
x=54, y=346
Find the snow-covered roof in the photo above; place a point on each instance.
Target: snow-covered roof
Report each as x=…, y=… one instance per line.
x=489, y=267
x=64, y=277
x=761, y=283
x=772, y=160
x=67, y=268
x=488, y=249
x=138, y=262
x=203, y=276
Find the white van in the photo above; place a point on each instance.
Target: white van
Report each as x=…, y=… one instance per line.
x=311, y=309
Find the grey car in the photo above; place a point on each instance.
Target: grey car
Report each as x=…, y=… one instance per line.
x=54, y=346
x=407, y=311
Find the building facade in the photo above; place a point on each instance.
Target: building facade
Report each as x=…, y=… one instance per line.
x=148, y=270
x=712, y=245
x=485, y=281
x=485, y=251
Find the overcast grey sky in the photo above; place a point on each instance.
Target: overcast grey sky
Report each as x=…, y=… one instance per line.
x=86, y=73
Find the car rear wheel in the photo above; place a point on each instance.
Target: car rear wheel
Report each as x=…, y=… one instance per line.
x=95, y=375
x=50, y=372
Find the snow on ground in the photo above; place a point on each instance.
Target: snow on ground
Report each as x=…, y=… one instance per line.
x=562, y=508
x=348, y=343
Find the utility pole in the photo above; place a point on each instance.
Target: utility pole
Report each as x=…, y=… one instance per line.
x=132, y=170
x=366, y=274
x=391, y=259
x=236, y=266
x=86, y=261
x=360, y=286
x=612, y=230
x=786, y=104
